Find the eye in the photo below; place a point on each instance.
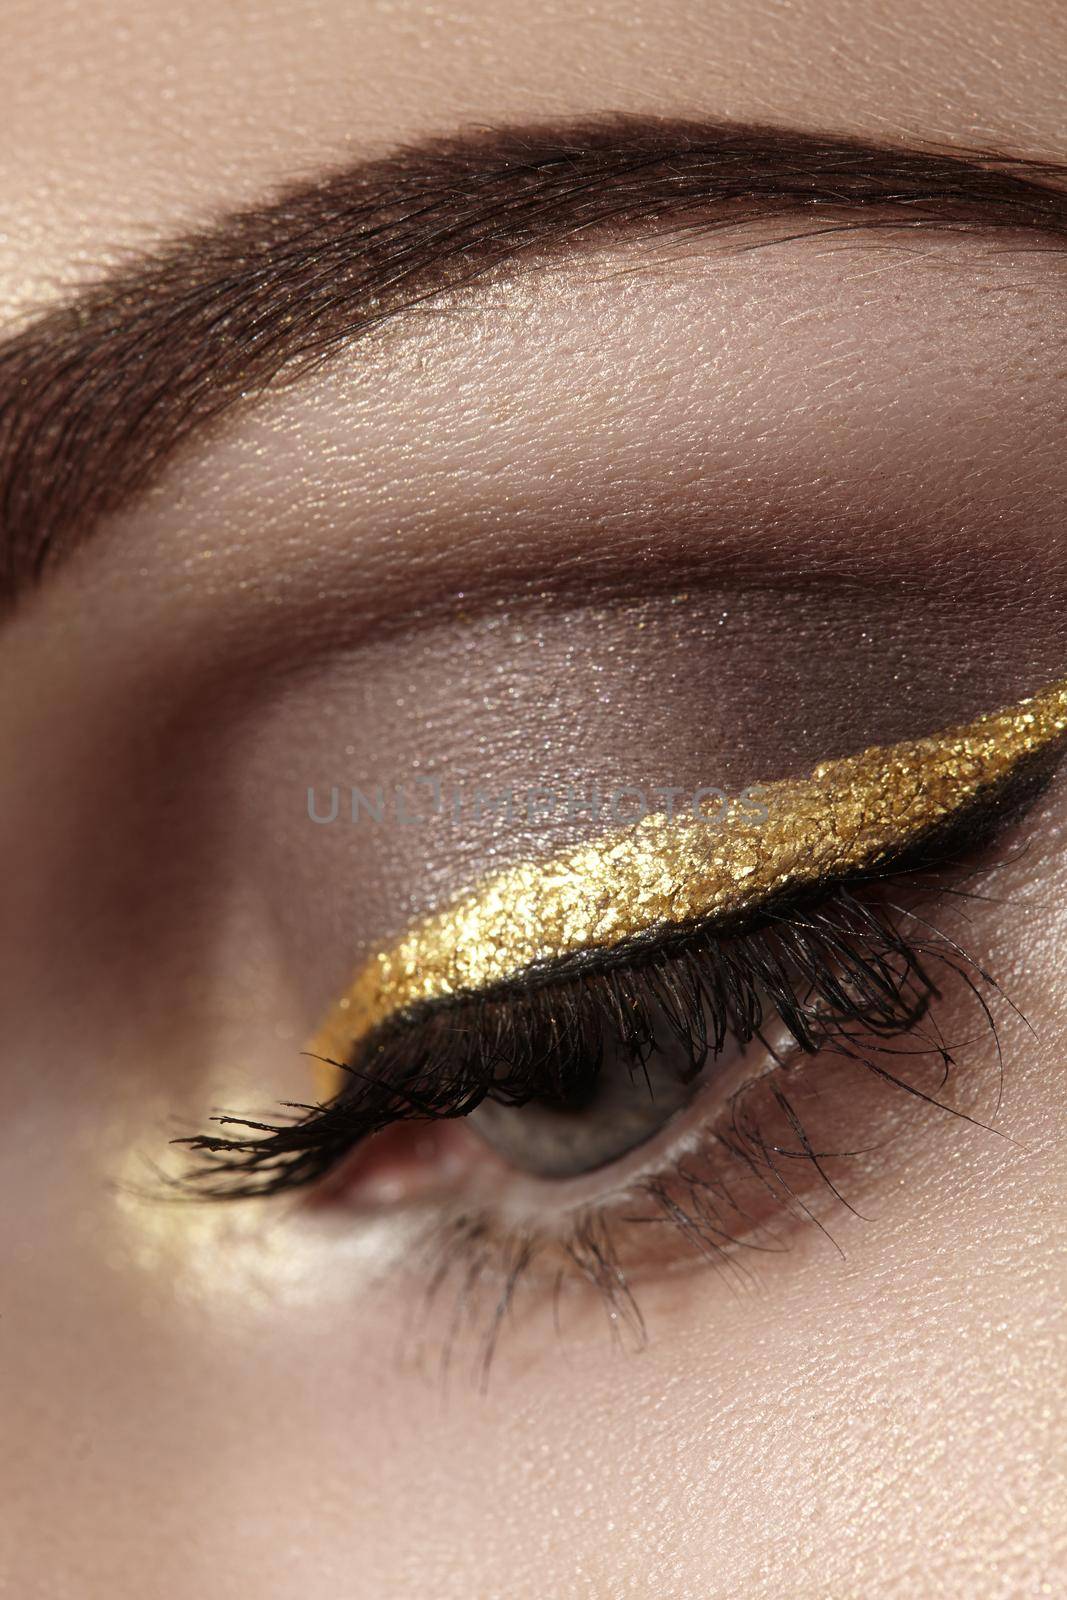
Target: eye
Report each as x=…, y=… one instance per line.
x=635, y=1091
x=632, y=1028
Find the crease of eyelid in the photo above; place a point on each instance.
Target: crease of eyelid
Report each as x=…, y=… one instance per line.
x=664, y=873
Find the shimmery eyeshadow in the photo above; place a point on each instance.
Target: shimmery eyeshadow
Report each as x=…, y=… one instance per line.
x=664, y=872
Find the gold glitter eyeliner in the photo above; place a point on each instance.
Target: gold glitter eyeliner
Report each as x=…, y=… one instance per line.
x=664, y=872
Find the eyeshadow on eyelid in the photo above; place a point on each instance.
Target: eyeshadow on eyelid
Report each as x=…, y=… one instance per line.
x=663, y=872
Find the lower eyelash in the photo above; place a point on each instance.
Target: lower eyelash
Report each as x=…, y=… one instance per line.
x=737, y=1190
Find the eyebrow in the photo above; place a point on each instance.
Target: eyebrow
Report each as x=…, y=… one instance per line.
x=98, y=394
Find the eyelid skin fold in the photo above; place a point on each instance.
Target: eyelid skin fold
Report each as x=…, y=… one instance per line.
x=674, y=872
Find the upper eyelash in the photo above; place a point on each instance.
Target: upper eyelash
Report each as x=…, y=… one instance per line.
x=836, y=967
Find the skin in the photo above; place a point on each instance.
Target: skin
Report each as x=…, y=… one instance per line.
x=205, y=1400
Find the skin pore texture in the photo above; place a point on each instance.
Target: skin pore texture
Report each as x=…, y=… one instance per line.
x=648, y=516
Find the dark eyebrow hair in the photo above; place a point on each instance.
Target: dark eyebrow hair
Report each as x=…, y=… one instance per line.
x=97, y=394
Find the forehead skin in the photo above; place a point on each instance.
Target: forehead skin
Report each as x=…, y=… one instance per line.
x=123, y=121
x=862, y=1441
